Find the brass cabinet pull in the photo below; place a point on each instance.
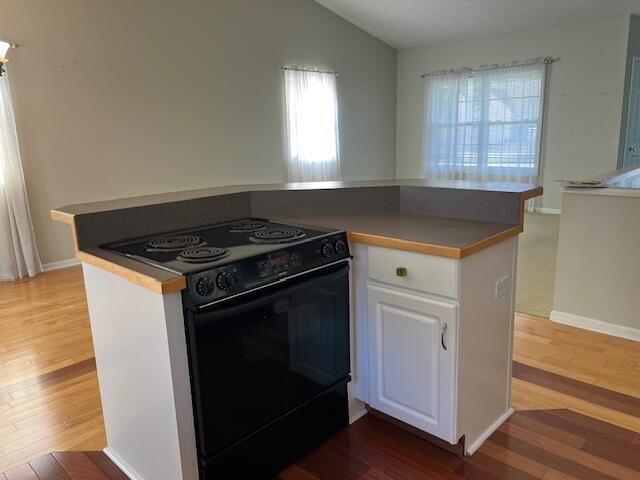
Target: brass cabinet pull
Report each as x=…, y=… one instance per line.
x=444, y=331
x=401, y=272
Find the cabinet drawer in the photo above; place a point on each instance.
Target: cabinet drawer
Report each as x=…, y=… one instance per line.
x=426, y=273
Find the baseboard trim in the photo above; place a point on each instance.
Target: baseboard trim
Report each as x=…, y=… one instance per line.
x=594, y=325
x=551, y=211
x=357, y=416
x=70, y=262
x=121, y=465
x=470, y=449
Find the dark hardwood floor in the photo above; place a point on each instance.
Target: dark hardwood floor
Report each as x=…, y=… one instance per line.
x=550, y=445
x=577, y=396
x=536, y=444
x=67, y=466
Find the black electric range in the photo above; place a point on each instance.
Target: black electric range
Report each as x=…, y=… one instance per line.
x=231, y=258
x=267, y=324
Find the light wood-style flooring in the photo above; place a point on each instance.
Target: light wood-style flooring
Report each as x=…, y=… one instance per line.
x=49, y=397
x=577, y=394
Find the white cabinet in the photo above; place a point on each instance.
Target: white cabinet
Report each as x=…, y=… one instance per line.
x=433, y=338
x=412, y=356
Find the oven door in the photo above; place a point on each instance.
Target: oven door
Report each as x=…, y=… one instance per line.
x=258, y=356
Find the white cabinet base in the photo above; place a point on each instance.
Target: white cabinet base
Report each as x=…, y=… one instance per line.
x=141, y=360
x=401, y=368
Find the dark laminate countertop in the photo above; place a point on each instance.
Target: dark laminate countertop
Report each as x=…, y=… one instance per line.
x=449, y=237
x=132, y=202
x=446, y=218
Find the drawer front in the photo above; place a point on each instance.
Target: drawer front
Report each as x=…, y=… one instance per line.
x=418, y=271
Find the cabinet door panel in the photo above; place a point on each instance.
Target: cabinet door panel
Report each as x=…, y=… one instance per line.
x=412, y=375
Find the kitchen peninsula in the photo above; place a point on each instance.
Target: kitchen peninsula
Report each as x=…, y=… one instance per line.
x=432, y=294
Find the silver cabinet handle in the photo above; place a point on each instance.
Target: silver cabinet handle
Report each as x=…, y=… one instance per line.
x=632, y=148
x=444, y=332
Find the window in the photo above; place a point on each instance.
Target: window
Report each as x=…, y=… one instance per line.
x=486, y=124
x=312, y=125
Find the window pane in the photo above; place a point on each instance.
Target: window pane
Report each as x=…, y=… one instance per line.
x=468, y=146
x=487, y=121
x=512, y=145
x=443, y=104
x=312, y=128
x=442, y=145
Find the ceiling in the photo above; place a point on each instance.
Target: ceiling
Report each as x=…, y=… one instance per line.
x=411, y=23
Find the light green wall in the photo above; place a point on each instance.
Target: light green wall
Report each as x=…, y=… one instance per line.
x=120, y=98
x=584, y=101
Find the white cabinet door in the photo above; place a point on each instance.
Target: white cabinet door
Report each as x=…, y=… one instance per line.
x=412, y=356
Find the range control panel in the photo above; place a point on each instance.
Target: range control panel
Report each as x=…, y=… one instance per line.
x=279, y=263
x=250, y=273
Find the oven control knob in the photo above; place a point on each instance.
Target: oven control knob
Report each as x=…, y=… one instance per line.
x=224, y=280
x=205, y=287
x=341, y=247
x=327, y=250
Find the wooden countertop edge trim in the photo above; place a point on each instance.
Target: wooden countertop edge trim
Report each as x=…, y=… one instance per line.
x=168, y=286
x=179, y=283
x=64, y=217
x=535, y=192
x=492, y=240
x=397, y=243
x=433, y=249
x=524, y=196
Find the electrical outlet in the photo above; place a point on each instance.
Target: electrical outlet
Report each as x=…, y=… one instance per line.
x=502, y=286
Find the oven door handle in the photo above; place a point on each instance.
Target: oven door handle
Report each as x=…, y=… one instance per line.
x=305, y=282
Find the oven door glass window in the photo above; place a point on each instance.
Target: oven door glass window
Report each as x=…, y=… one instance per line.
x=257, y=357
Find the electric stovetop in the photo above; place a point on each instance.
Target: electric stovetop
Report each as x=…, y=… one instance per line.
x=197, y=249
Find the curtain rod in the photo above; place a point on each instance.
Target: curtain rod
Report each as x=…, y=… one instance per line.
x=517, y=63
x=309, y=69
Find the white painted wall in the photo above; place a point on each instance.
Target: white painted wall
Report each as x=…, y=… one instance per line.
x=143, y=372
x=120, y=98
x=598, y=267
x=585, y=89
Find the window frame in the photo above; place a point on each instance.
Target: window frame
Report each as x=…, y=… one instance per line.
x=483, y=126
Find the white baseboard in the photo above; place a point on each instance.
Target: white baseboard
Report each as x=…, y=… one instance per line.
x=354, y=417
x=121, y=465
x=552, y=211
x=470, y=449
x=70, y=262
x=595, y=325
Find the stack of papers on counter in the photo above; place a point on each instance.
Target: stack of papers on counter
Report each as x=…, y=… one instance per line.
x=583, y=183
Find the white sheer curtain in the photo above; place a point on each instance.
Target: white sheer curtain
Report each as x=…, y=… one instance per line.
x=18, y=252
x=312, y=126
x=485, y=125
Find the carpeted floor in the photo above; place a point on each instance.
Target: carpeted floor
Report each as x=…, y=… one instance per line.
x=537, y=264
